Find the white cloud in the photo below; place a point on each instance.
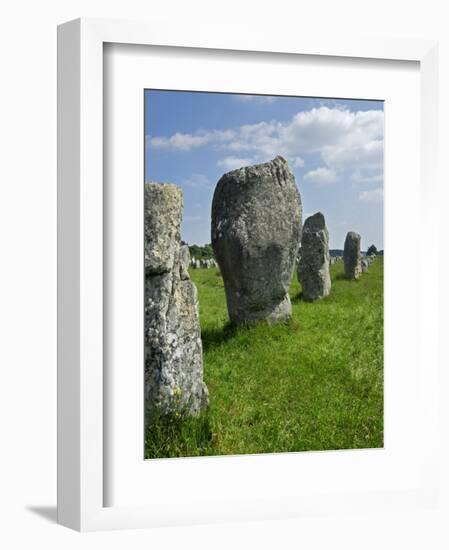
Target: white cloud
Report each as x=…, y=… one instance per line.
x=261, y=138
x=346, y=141
x=368, y=155
x=297, y=162
x=186, y=142
x=375, y=195
x=321, y=175
x=365, y=176
x=231, y=163
x=197, y=181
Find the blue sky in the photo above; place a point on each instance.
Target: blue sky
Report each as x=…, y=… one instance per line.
x=334, y=148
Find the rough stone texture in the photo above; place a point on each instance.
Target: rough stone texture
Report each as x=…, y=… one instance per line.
x=313, y=269
x=163, y=215
x=184, y=262
x=173, y=349
x=364, y=264
x=256, y=232
x=351, y=256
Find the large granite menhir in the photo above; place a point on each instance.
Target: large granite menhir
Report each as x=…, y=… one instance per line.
x=173, y=349
x=352, y=256
x=256, y=232
x=313, y=269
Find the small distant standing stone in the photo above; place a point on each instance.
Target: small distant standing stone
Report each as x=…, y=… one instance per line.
x=173, y=348
x=351, y=256
x=313, y=270
x=256, y=232
x=364, y=264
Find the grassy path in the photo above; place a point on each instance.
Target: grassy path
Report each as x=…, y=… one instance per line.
x=313, y=384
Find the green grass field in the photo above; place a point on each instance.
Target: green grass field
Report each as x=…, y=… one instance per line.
x=315, y=383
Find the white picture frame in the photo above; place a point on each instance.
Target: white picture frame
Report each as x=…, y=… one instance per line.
x=82, y=400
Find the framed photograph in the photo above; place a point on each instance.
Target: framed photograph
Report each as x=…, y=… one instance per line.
x=238, y=335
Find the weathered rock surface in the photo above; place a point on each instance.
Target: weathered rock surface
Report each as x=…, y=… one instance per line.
x=163, y=215
x=173, y=348
x=256, y=232
x=351, y=256
x=184, y=262
x=313, y=269
x=364, y=264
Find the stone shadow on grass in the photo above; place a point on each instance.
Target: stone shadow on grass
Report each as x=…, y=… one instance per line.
x=298, y=298
x=215, y=337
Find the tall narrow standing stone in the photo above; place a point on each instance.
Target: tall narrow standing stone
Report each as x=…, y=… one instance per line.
x=313, y=269
x=351, y=256
x=173, y=349
x=256, y=231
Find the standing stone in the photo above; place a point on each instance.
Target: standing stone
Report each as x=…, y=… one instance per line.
x=256, y=231
x=364, y=264
x=313, y=270
x=173, y=349
x=351, y=256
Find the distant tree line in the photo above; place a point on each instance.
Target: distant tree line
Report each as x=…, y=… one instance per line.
x=371, y=250
x=201, y=252
x=205, y=252
x=334, y=252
